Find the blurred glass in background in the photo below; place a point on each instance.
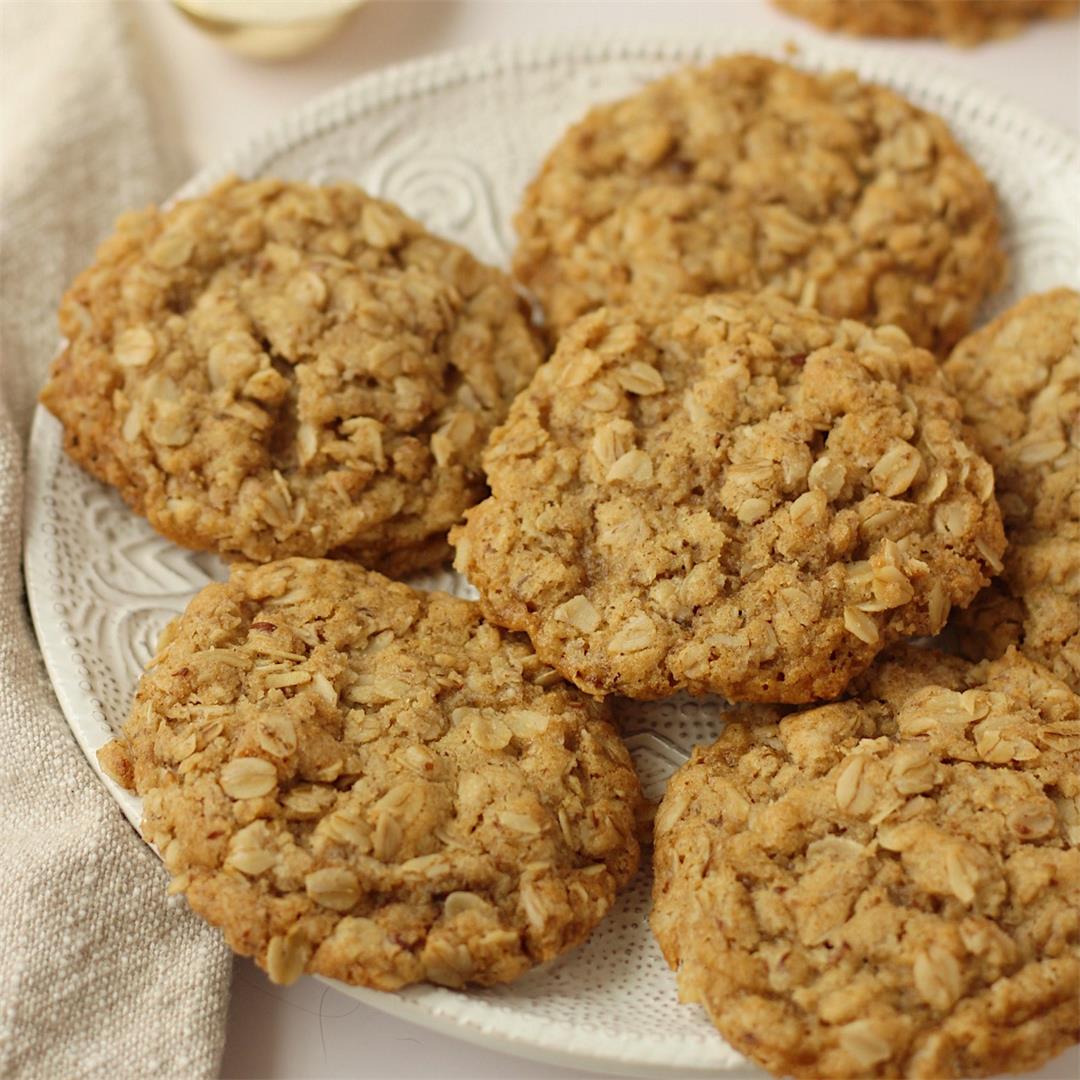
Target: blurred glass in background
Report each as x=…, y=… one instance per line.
x=269, y=29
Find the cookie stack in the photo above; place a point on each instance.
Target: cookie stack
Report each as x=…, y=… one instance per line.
x=742, y=471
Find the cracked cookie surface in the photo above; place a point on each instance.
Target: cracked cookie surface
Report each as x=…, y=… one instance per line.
x=729, y=495
x=888, y=885
x=750, y=174
x=1018, y=380
x=357, y=779
x=962, y=22
x=281, y=369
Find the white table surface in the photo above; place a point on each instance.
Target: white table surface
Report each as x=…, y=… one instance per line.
x=213, y=99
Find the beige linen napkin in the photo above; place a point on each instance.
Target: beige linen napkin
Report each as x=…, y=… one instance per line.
x=100, y=974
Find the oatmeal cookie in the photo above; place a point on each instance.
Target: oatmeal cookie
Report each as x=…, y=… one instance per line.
x=1018, y=380
x=961, y=22
x=280, y=369
x=353, y=778
x=732, y=495
x=889, y=885
x=750, y=174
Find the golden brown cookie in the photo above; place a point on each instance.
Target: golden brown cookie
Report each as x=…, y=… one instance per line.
x=1018, y=380
x=750, y=174
x=889, y=885
x=353, y=778
x=281, y=369
x=729, y=495
x=962, y=22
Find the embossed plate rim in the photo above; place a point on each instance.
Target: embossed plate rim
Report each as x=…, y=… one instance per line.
x=478, y=1020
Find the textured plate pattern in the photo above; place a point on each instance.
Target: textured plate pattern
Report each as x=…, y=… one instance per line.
x=454, y=140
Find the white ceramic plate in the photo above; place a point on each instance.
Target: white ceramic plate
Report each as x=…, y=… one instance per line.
x=454, y=140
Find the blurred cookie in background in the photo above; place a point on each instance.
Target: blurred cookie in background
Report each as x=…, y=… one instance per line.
x=960, y=22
